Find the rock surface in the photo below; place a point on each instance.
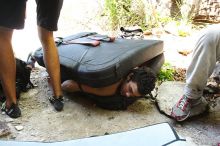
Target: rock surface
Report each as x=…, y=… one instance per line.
x=168, y=95
x=4, y=129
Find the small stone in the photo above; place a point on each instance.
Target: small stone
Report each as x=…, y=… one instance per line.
x=111, y=118
x=19, y=128
x=9, y=120
x=178, y=126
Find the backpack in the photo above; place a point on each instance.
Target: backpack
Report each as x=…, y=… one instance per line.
x=23, y=74
x=23, y=82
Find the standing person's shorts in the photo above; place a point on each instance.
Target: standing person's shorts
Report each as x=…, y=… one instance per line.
x=12, y=13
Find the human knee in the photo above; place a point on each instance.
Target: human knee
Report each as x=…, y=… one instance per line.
x=212, y=35
x=208, y=41
x=5, y=34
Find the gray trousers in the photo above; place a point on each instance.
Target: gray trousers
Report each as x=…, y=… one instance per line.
x=205, y=55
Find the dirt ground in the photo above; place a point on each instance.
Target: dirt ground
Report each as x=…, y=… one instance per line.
x=81, y=118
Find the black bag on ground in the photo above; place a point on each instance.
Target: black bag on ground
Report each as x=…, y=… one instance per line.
x=23, y=74
x=23, y=82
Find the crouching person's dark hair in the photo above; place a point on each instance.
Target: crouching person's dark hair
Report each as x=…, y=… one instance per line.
x=145, y=79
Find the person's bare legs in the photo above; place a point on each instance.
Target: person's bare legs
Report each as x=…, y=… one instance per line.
x=51, y=60
x=8, y=69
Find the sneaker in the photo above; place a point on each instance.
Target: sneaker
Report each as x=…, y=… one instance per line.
x=181, y=110
x=57, y=102
x=13, y=112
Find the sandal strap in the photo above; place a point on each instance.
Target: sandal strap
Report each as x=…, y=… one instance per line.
x=3, y=108
x=57, y=102
x=13, y=111
x=54, y=98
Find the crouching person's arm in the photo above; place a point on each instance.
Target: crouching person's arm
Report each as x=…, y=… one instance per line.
x=73, y=86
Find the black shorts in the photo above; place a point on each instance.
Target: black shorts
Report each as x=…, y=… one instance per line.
x=12, y=13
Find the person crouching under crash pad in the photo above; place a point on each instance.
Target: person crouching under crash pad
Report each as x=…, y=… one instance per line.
x=117, y=96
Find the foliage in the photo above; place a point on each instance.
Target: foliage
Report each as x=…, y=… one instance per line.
x=183, y=33
x=159, y=16
x=154, y=16
x=125, y=13
x=166, y=73
x=148, y=15
x=111, y=7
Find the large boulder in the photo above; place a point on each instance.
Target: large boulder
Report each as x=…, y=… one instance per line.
x=170, y=92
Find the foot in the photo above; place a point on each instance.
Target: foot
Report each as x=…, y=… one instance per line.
x=57, y=102
x=2, y=99
x=13, y=112
x=181, y=110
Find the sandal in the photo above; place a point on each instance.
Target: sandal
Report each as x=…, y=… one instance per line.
x=2, y=99
x=13, y=112
x=57, y=102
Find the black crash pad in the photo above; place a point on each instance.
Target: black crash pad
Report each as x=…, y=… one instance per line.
x=155, y=135
x=106, y=63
